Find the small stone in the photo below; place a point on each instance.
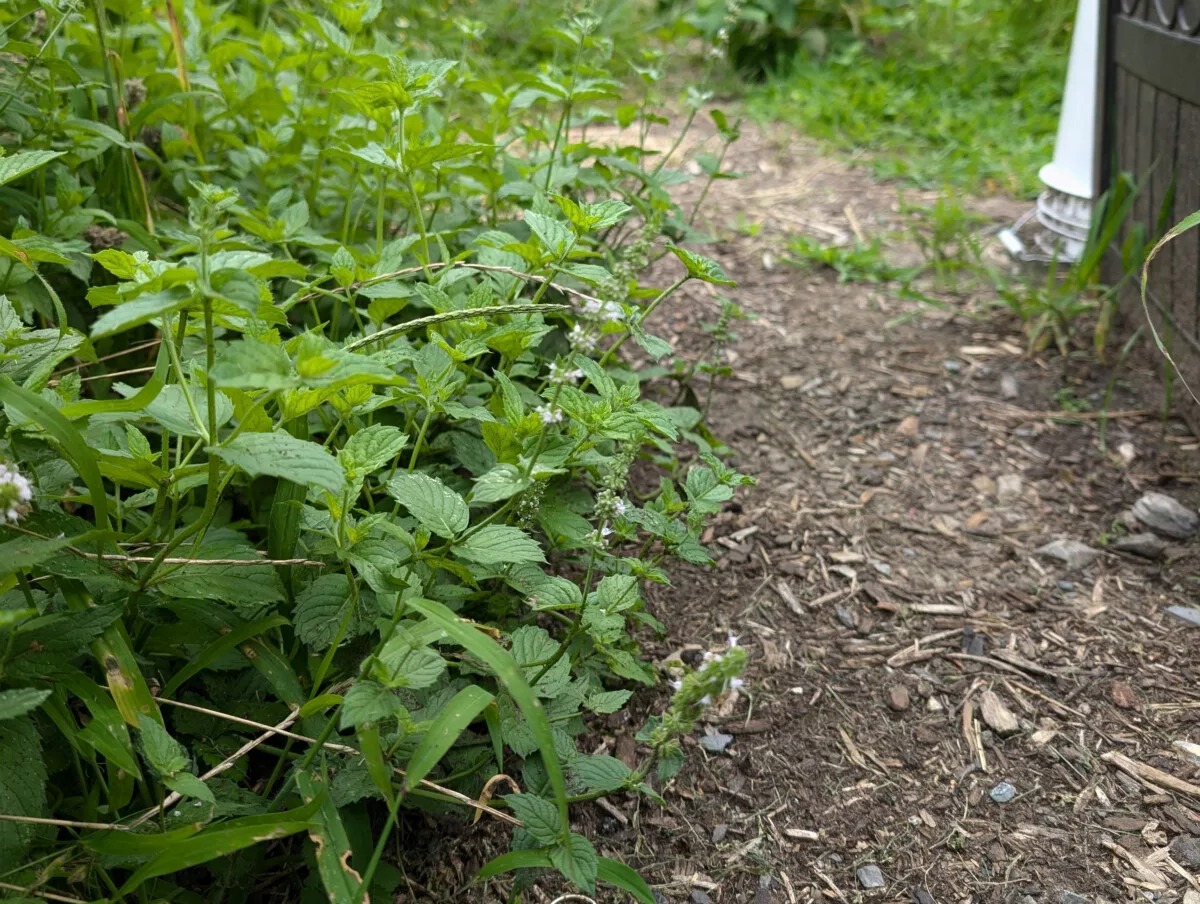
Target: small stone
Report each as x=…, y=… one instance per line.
x=898, y=698
x=870, y=876
x=700, y=896
x=792, y=381
x=1123, y=695
x=934, y=705
x=1008, y=386
x=1164, y=515
x=845, y=616
x=1187, y=613
x=921, y=896
x=984, y=484
x=909, y=426
x=719, y=833
x=716, y=743
x=1076, y=555
x=1185, y=849
x=882, y=567
x=1066, y=586
x=1146, y=545
x=768, y=261
x=909, y=552
x=952, y=365
x=1008, y=488
x=1070, y=897
x=1127, y=453
x=1003, y=793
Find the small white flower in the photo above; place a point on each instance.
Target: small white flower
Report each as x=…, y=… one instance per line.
x=582, y=340
x=735, y=683
x=559, y=374
x=15, y=492
x=706, y=700
x=733, y=640
x=676, y=684
x=619, y=508
x=710, y=656
x=549, y=415
x=605, y=531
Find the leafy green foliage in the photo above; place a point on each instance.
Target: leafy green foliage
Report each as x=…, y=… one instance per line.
x=315, y=414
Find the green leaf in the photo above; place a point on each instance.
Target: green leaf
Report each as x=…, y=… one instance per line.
x=282, y=455
x=170, y=409
x=142, y=309
x=331, y=842
x=439, y=509
x=190, y=786
x=223, y=839
x=22, y=786
x=576, y=859
x=599, y=773
x=228, y=640
x=497, y=658
x=25, y=552
x=614, y=872
x=16, y=165
x=608, y=701
x=445, y=730
x=120, y=264
x=700, y=267
x=539, y=815
x=417, y=158
x=501, y=482
x=500, y=544
x=20, y=701
x=555, y=236
x=515, y=860
x=320, y=610
x=367, y=702
x=252, y=365
x=370, y=449
x=166, y=755
x=400, y=664
x=248, y=585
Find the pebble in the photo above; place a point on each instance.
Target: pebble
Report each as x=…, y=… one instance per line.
x=1185, y=849
x=870, y=876
x=953, y=366
x=845, y=616
x=1003, y=793
x=1146, y=545
x=921, y=896
x=909, y=552
x=716, y=743
x=1073, y=553
x=1008, y=488
x=719, y=833
x=882, y=567
x=1008, y=386
x=898, y=698
x=1187, y=613
x=1165, y=515
x=700, y=897
x=1070, y=897
x=1066, y=586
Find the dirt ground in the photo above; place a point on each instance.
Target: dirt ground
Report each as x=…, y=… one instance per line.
x=910, y=650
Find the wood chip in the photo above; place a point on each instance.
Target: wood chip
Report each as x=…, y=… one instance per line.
x=998, y=717
x=1148, y=775
x=1123, y=695
x=802, y=834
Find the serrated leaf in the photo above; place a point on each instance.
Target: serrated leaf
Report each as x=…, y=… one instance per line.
x=142, y=309
x=282, y=455
x=539, y=815
x=402, y=665
x=555, y=236
x=252, y=365
x=170, y=409
x=607, y=701
x=19, y=701
x=371, y=448
x=166, y=755
x=501, y=482
x=500, y=544
x=190, y=786
x=22, y=786
x=16, y=165
x=439, y=509
x=700, y=267
x=576, y=859
x=368, y=702
x=599, y=773
x=320, y=610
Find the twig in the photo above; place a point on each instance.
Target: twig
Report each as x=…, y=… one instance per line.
x=1148, y=775
x=65, y=823
x=1020, y=414
x=124, y=351
x=48, y=895
x=173, y=560
x=999, y=664
x=350, y=751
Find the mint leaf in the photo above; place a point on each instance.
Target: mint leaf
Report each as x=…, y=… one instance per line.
x=539, y=815
x=366, y=702
x=370, y=449
x=22, y=785
x=190, y=786
x=500, y=544
x=20, y=701
x=283, y=455
x=439, y=509
x=599, y=773
x=576, y=859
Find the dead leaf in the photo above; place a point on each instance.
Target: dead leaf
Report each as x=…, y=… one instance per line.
x=1124, y=696
x=909, y=426
x=975, y=520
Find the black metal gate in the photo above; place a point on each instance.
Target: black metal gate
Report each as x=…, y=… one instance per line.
x=1150, y=123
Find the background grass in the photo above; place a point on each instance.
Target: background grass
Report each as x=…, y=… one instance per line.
x=959, y=94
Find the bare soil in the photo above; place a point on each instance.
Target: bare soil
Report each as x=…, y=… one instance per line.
x=884, y=576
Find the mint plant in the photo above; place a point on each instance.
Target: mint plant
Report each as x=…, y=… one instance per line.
x=317, y=437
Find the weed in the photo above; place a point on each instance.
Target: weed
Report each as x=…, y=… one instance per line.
x=314, y=423
x=857, y=262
